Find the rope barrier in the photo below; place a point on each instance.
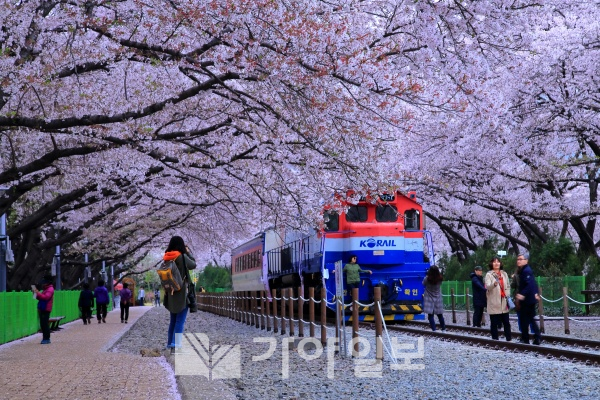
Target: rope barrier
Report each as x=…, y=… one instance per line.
x=551, y=301
x=585, y=304
x=391, y=354
x=365, y=305
x=584, y=321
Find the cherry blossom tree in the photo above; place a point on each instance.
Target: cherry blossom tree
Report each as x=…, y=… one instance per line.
x=126, y=122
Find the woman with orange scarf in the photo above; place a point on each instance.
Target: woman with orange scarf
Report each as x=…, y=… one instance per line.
x=497, y=290
x=176, y=302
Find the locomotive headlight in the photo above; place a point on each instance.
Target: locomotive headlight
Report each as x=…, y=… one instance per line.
x=397, y=285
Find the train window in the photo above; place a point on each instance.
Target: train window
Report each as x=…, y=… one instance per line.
x=331, y=219
x=356, y=214
x=386, y=213
x=412, y=220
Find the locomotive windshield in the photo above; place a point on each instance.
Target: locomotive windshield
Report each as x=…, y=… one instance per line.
x=331, y=220
x=386, y=213
x=412, y=220
x=356, y=214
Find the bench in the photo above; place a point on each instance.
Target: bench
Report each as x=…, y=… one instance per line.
x=54, y=321
x=587, y=299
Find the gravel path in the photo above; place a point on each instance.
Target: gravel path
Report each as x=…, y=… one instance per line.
x=445, y=370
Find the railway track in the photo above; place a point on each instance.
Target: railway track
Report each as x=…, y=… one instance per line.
x=474, y=336
x=553, y=340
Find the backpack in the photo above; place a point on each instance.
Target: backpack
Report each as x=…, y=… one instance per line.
x=170, y=278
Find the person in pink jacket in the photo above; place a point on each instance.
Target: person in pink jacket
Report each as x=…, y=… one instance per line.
x=45, y=298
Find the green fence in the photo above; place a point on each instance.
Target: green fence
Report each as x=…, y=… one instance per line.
x=19, y=317
x=551, y=290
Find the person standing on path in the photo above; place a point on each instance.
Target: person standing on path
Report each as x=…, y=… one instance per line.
x=432, y=297
x=45, y=299
x=157, y=298
x=102, y=299
x=479, y=297
x=497, y=291
x=86, y=303
x=176, y=302
x=527, y=297
x=126, y=296
x=514, y=285
x=141, y=296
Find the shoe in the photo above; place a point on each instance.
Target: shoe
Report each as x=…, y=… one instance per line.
x=45, y=341
x=125, y=321
x=537, y=342
x=89, y=320
x=104, y=320
x=122, y=321
x=99, y=321
x=84, y=322
x=172, y=350
x=523, y=342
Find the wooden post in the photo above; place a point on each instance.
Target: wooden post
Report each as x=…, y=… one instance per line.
x=241, y=307
x=587, y=306
x=283, y=305
x=274, y=296
x=355, y=321
x=453, y=305
x=291, y=309
x=323, y=317
x=268, y=306
x=566, y=310
x=228, y=304
x=378, y=323
x=467, y=306
x=311, y=311
x=300, y=312
x=263, y=301
x=248, y=307
x=541, y=311
x=238, y=305
x=257, y=304
x=255, y=309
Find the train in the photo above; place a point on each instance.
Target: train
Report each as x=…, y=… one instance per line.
x=386, y=232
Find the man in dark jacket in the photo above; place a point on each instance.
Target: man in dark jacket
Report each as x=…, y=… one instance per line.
x=86, y=303
x=479, y=297
x=528, y=296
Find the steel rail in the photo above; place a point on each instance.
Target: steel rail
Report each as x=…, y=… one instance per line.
x=555, y=340
x=550, y=352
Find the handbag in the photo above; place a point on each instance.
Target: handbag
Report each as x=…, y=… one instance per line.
x=510, y=303
x=191, y=293
x=191, y=298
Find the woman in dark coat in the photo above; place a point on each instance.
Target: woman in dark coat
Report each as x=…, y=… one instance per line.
x=176, y=302
x=432, y=298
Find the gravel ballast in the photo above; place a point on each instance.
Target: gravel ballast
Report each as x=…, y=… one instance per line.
x=444, y=370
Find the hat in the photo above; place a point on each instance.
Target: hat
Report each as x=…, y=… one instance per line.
x=478, y=268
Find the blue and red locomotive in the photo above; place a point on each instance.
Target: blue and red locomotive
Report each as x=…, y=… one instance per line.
x=386, y=233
